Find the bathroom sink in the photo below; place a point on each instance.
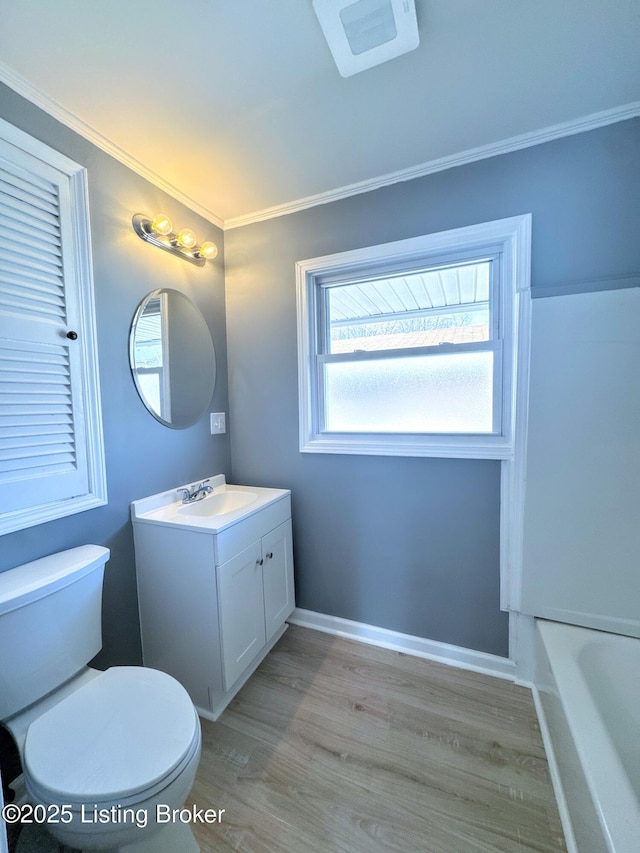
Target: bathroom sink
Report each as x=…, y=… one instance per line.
x=219, y=503
x=223, y=507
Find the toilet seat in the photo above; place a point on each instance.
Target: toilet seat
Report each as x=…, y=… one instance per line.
x=122, y=737
x=49, y=796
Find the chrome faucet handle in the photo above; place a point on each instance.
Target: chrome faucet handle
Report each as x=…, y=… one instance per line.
x=186, y=495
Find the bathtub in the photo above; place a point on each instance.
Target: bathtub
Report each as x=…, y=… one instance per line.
x=587, y=691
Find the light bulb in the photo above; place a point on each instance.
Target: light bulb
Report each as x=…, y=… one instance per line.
x=208, y=250
x=186, y=238
x=161, y=224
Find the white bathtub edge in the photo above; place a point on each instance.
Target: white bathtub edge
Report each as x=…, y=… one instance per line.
x=599, y=792
x=554, y=773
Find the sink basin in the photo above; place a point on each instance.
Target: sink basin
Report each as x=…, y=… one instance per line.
x=219, y=503
x=225, y=506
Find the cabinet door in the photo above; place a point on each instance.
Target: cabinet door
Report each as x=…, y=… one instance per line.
x=241, y=611
x=51, y=446
x=277, y=549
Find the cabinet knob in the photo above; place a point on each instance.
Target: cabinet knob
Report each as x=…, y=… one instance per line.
x=269, y=555
x=73, y=336
x=259, y=562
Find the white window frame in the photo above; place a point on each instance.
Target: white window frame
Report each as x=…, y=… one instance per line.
x=507, y=242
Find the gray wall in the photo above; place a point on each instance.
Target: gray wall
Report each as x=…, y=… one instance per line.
x=142, y=456
x=413, y=544
x=407, y=544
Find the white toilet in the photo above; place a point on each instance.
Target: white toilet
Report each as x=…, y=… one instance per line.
x=99, y=750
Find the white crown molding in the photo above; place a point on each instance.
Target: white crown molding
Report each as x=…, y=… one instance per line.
x=526, y=140
x=22, y=87
x=493, y=149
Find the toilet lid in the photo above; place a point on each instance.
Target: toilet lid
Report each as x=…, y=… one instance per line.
x=117, y=735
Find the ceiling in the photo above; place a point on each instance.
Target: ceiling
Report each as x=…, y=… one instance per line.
x=239, y=106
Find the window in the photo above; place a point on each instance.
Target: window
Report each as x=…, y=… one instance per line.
x=150, y=344
x=51, y=448
x=410, y=348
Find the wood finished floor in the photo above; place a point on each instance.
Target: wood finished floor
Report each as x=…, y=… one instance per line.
x=334, y=745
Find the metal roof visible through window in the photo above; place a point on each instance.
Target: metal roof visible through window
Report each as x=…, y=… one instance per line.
x=415, y=294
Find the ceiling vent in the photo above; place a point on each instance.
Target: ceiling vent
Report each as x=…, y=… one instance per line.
x=365, y=33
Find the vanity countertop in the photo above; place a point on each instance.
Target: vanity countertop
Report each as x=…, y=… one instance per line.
x=223, y=507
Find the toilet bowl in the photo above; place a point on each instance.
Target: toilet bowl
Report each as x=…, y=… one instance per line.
x=110, y=753
x=105, y=755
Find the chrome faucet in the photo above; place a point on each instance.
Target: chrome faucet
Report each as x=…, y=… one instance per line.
x=195, y=493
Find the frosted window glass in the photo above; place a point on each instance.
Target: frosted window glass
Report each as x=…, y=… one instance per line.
x=450, y=393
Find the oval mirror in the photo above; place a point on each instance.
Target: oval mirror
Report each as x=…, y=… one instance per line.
x=172, y=358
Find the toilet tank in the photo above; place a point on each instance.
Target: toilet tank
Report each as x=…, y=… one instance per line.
x=50, y=623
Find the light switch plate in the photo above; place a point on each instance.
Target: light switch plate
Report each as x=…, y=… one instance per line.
x=218, y=423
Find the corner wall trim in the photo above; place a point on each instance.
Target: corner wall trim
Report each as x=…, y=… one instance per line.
x=471, y=659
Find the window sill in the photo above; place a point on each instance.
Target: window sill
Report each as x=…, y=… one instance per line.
x=446, y=446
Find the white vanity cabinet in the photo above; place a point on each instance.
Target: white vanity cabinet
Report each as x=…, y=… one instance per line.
x=213, y=591
x=255, y=596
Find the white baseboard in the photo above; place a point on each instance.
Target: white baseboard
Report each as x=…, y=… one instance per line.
x=418, y=646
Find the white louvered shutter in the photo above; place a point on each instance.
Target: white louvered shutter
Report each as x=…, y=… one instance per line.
x=43, y=428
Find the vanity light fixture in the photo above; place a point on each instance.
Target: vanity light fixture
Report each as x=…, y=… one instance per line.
x=159, y=232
